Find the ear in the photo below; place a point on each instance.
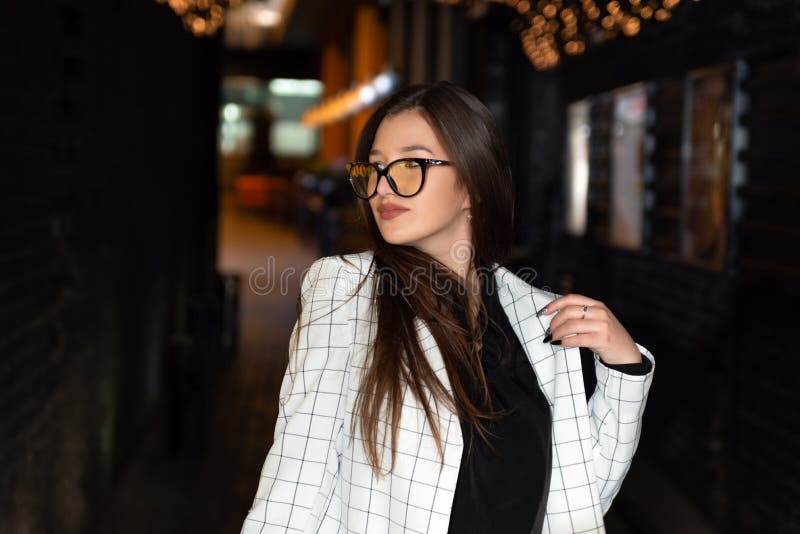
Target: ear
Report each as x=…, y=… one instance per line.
x=466, y=203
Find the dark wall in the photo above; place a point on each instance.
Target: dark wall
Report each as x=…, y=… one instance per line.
x=720, y=421
x=766, y=432
x=108, y=252
x=720, y=427
x=488, y=60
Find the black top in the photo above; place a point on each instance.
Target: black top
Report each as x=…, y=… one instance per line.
x=504, y=492
x=507, y=491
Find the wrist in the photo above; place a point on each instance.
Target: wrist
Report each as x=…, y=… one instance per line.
x=629, y=357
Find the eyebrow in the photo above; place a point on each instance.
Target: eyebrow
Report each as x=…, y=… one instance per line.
x=409, y=148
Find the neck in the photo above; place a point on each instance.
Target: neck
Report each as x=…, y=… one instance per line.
x=453, y=247
x=464, y=269
x=474, y=282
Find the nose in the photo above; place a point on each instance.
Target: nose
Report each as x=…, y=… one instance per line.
x=383, y=186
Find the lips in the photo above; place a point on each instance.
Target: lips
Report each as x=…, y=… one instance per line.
x=390, y=211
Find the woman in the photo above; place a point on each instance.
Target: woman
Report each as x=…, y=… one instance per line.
x=429, y=389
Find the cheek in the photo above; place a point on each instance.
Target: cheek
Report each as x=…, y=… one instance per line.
x=444, y=195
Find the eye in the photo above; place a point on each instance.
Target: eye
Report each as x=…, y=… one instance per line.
x=410, y=164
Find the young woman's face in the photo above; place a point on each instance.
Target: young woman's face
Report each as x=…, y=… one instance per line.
x=436, y=219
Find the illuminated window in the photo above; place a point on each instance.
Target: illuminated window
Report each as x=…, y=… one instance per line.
x=577, y=166
x=606, y=166
x=288, y=99
x=706, y=166
x=260, y=119
x=627, y=166
x=658, y=180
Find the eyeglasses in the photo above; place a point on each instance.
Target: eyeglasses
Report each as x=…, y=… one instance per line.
x=406, y=176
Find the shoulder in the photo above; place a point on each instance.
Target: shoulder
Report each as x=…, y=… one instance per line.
x=359, y=263
x=342, y=273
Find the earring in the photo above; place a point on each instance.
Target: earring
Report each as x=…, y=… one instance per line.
x=469, y=216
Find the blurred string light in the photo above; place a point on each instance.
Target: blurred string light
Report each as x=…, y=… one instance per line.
x=549, y=28
x=204, y=17
x=352, y=101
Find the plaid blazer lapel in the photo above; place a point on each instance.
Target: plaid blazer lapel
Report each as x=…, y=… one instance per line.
x=521, y=301
x=449, y=422
x=431, y=350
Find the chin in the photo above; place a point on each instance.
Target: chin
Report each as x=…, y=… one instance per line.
x=396, y=238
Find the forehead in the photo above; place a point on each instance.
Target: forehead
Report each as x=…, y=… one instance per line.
x=397, y=133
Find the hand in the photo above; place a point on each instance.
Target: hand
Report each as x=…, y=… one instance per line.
x=599, y=330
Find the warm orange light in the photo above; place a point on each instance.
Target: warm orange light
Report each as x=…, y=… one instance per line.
x=562, y=26
x=198, y=25
x=201, y=17
x=631, y=26
x=571, y=48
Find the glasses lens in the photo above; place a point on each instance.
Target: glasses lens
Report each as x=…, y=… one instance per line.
x=363, y=177
x=407, y=176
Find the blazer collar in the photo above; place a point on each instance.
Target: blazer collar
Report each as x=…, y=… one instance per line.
x=521, y=301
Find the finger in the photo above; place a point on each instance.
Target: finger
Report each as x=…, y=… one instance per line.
x=578, y=326
x=576, y=312
x=567, y=300
x=587, y=339
x=563, y=316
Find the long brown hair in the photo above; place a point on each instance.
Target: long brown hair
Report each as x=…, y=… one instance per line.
x=409, y=281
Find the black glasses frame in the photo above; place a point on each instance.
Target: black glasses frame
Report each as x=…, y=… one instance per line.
x=423, y=163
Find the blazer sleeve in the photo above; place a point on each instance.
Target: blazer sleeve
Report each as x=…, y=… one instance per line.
x=298, y=476
x=616, y=408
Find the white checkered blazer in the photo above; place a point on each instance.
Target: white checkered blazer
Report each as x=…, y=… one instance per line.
x=316, y=480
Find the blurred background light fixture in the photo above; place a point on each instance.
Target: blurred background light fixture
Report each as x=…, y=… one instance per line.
x=257, y=24
x=265, y=14
x=266, y=18
x=368, y=94
x=550, y=28
x=201, y=17
x=291, y=87
x=352, y=101
x=383, y=84
x=231, y=112
x=205, y=17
